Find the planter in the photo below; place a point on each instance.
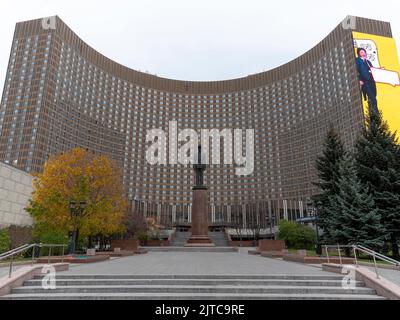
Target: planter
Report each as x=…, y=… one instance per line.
x=128, y=244
x=91, y=252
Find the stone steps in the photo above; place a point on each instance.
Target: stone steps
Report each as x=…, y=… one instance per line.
x=196, y=276
x=189, y=296
x=191, y=249
x=192, y=287
x=219, y=239
x=181, y=238
x=212, y=289
x=192, y=282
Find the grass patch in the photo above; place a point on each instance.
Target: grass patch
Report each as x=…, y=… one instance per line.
x=310, y=253
x=361, y=258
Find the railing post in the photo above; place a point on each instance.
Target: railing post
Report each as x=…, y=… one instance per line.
x=340, y=255
x=327, y=253
x=48, y=258
x=376, y=267
x=33, y=254
x=63, y=252
x=11, y=265
x=355, y=255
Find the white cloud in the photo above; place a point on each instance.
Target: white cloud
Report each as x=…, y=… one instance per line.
x=196, y=40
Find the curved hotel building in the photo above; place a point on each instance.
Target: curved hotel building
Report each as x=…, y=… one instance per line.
x=60, y=93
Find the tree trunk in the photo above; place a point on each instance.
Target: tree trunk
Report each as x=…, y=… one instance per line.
x=101, y=242
x=385, y=248
x=395, y=246
x=76, y=238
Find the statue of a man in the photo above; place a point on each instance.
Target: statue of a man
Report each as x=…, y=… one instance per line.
x=199, y=169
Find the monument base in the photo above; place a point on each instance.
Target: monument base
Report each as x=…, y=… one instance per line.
x=199, y=241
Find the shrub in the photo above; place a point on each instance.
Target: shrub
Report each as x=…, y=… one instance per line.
x=297, y=236
x=53, y=238
x=143, y=237
x=5, y=241
x=20, y=235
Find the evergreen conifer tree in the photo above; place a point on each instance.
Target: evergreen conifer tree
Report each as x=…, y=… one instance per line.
x=352, y=217
x=328, y=173
x=378, y=167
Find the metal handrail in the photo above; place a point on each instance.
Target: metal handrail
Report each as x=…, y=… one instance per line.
x=366, y=250
x=12, y=253
x=15, y=249
x=380, y=256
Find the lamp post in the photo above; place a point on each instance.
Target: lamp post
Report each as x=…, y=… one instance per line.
x=319, y=248
x=75, y=212
x=313, y=211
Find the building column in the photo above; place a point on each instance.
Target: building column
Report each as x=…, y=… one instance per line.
x=244, y=216
x=145, y=210
x=301, y=209
x=173, y=213
x=159, y=213
x=285, y=210
x=270, y=215
x=257, y=213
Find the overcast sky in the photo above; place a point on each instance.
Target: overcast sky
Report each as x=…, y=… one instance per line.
x=196, y=40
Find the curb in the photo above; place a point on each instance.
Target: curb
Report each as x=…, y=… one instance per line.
x=382, y=286
x=23, y=274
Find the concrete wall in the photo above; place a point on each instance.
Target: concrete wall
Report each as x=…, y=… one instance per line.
x=15, y=192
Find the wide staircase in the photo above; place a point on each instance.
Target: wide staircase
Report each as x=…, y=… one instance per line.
x=180, y=239
x=219, y=239
x=195, y=287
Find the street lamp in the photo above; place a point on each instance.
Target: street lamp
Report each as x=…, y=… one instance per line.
x=75, y=212
x=315, y=215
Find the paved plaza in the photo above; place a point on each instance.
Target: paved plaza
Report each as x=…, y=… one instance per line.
x=197, y=263
x=193, y=263
x=4, y=270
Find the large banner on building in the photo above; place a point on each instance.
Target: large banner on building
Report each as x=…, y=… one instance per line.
x=379, y=75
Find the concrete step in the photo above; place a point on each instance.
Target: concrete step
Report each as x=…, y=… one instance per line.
x=156, y=289
x=181, y=238
x=191, y=249
x=188, y=296
x=192, y=287
x=192, y=282
x=197, y=276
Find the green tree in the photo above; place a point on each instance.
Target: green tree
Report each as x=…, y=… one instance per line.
x=378, y=166
x=327, y=166
x=53, y=237
x=352, y=217
x=296, y=236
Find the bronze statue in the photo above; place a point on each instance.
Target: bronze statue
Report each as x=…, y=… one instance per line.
x=199, y=169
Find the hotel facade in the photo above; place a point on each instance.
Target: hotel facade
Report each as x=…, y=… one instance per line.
x=60, y=93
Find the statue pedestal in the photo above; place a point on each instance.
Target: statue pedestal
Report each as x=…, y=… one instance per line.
x=199, y=236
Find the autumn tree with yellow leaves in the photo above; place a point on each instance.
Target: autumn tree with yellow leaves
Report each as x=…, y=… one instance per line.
x=78, y=175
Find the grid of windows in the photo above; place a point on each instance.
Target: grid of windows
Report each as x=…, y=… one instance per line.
x=59, y=93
